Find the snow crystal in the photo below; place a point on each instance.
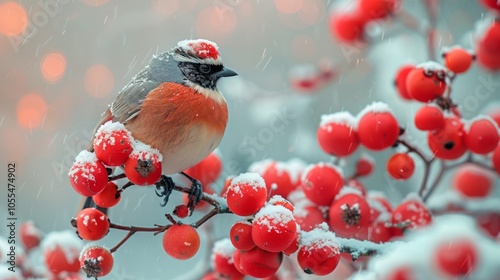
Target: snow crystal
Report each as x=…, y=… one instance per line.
x=375, y=107
x=318, y=238
x=252, y=179
x=224, y=248
x=66, y=240
x=272, y=215
x=146, y=152
x=344, y=117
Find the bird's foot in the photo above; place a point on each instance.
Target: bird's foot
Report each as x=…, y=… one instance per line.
x=195, y=194
x=164, y=188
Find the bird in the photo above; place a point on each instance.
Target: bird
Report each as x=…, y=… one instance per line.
x=173, y=105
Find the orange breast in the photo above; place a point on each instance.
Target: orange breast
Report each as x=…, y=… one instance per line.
x=170, y=112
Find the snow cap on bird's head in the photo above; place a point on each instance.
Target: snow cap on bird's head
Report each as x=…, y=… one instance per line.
x=198, y=51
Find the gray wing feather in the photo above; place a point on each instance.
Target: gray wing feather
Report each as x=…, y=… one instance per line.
x=128, y=102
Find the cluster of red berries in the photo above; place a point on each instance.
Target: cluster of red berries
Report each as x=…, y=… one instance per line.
x=310, y=78
x=348, y=25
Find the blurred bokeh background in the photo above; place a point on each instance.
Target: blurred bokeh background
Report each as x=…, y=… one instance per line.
x=62, y=62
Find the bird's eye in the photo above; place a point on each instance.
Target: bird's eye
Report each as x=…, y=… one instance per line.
x=205, y=68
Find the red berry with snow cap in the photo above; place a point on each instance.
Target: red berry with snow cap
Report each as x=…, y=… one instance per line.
x=481, y=136
x=143, y=167
x=96, y=261
x=319, y=251
x=88, y=176
x=246, y=194
x=61, y=250
x=378, y=129
x=337, y=134
x=426, y=82
x=413, y=211
x=92, y=224
x=321, y=183
x=274, y=228
x=222, y=260
x=349, y=214
x=112, y=143
x=30, y=235
x=277, y=175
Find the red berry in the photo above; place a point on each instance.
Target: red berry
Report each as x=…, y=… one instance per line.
x=61, y=250
x=337, y=134
x=365, y=165
x=490, y=223
x=380, y=198
x=305, y=78
x=143, y=167
x=377, y=9
x=274, y=228
x=490, y=61
x=456, y=257
x=401, y=273
x=319, y=252
x=276, y=175
x=491, y=4
x=222, y=259
x=181, y=211
x=400, y=166
x=88, y=176
x=400, y=81
x=321, y=183
x=448, y=143
x=349, y=214
x=109, y=197
x=496, y=159
x=413, y=211
x=490, y=39
x=378, y=232
x=378, y=129
x=241, y=235
x=482, y=136
x=429, y=117
x=246, y=194
x=426, y=83
x=259, y=263
x=96, y=261
x=356, y=184
x=458, y=60
x=92, y=224
x=30, y=235
x=112, y=143
x=347, y=27
x=309, y=217
x=473, y=181
x=181, y=241
x=207, y=170
x=293, y=247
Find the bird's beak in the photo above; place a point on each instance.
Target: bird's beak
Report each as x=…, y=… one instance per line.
x=226, y=72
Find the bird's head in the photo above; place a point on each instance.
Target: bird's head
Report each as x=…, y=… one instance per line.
x=200, y=63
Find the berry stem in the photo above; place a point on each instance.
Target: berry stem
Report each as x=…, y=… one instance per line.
x=427, y=162
x=129, y=234
x=116, y=177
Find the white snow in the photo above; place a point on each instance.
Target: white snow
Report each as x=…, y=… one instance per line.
x=375, y=107
x=432, y=66
x=273, y=215
x=344, y=118
x=244, y=179
x=146, y=152
x=348, y=190
x=418, y=252
x=6, y=274
x=318, y=238
x=105, y=133
x=440, y=202
x=195, y=48
x=223, y=248
x=85, y=162
x=66, y=240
